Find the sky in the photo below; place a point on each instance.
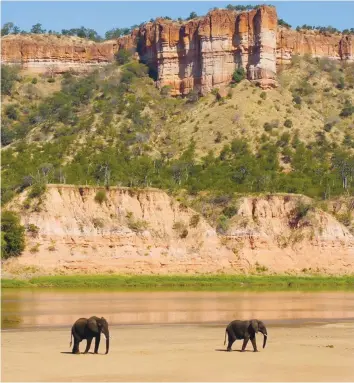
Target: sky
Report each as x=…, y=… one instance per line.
x=102, y=16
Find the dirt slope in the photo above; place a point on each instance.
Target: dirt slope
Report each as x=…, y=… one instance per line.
x=146, y=231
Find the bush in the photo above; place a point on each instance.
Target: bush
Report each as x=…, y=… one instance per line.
x=12, y=235
x=33, y=230
x=101, y=196
x=51, y=80
x=297, y=100
x=37, y=190
x=263, y=95
x=123, y=56
x=239, y=75
x=288, y=123
x=11, y=112
x=193, y=96
x=194, y=220
x=222, y=225
x=34, y=80
x=9, y=74
x=229, y=211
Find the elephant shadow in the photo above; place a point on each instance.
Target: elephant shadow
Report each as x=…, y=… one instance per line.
x=224, y=350
x=70, y=353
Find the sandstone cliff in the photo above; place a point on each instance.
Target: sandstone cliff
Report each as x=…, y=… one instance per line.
x=147, y=231
x=333, y=46
x=59, y=53
x=198, y=54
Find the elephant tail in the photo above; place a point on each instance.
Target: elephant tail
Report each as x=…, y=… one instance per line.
x=225, y=337
x=71, y=339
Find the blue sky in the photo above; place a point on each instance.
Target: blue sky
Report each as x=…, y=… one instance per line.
x=102, y=16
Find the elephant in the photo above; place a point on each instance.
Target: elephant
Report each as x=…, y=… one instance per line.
x=245, y=330
x=88, y=329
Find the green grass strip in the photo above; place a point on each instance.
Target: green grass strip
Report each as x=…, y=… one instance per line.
x=182, y=282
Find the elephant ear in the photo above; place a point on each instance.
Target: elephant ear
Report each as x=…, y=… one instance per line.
x=254, y=325
x=92, y=325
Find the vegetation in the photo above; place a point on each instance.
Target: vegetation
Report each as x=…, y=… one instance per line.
x=239, y=75
x=12, y=235
x=179, y=282
x=113, y=127
x=101, y=197
x=284, y=23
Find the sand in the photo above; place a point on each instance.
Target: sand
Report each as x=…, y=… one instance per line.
x=182, y=353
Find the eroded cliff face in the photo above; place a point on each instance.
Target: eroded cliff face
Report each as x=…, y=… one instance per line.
x=148, y=232
x=39, y=53
x=204, y=52
x=199, y=54
x=333, y=46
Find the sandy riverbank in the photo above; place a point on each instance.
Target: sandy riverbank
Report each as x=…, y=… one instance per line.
x=182, y=353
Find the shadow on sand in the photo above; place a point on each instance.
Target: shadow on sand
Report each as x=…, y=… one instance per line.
x=224, y=350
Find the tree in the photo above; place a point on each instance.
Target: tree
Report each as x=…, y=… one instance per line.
x=9, y=74
x=192, y=15
x=7, y=29
x=238, y=75
x=37, y=28
x=12, y=235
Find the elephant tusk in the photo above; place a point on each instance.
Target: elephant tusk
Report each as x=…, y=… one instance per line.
x=104, y=336
x=265, y=335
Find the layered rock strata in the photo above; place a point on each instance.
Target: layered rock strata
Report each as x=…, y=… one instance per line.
x=314, y=43
x=200, y=54
x=148, y=232
x=39, y=53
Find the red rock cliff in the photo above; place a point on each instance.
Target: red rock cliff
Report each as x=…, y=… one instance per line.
x=204, y=52
x=334, y=46
x=38, y=52
x=198, y=54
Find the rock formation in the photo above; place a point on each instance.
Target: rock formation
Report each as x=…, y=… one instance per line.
x=200, y=54
x=203, y=53
x=39, y=53
x=314, y=43
x=148, y=232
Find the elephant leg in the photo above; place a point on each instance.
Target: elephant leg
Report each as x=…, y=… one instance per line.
x=245, y=341
x=231, y=341
x=76, y=346
x=89, y=340
x=254, y=344
x=97, y=343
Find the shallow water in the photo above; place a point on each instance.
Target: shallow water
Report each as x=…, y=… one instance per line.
x=38, y=309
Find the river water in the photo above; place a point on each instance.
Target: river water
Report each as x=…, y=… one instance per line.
x=40, y=309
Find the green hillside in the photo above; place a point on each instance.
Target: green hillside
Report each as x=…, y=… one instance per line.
x=113, y=127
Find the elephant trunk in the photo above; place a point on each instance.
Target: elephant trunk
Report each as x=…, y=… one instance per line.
x=265, y=335
x=107, y=342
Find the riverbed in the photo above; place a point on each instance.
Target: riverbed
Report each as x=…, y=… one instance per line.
x=178, y=336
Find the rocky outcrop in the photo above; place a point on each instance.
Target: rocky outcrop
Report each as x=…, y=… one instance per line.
x=314, y=43
x=56, y=53
x=200, y=54
x=203, y=53
x=148, y=232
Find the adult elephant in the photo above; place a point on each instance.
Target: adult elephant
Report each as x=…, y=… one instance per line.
x=245, y=330
x=88, y=329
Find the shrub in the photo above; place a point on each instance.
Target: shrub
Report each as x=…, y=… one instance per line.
x=101, y=196
x=37, y=190
x=194, y=220
x=288, y=123
x=12, y=235
x=263, y=95
x=222, y=225
x=193, y=96
x=218, y=137
x=239, y=75
x=297, y=100
x=98, y=223
x=229, y=211
x=35, y=248
x=33, y=230
x=123, y=56
x=51, y=80
x=11, y=112
x=9, y=74
x=34, y=80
